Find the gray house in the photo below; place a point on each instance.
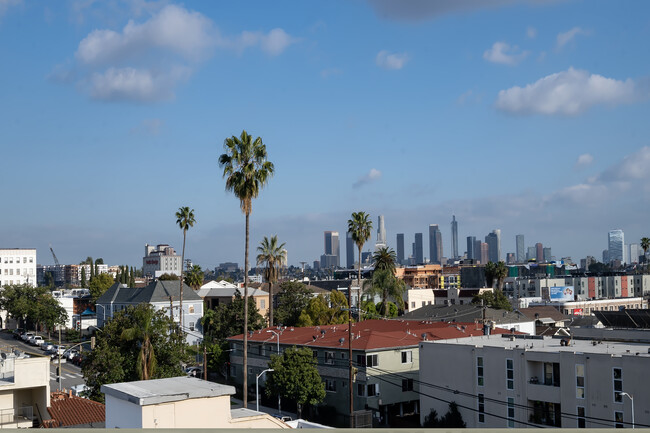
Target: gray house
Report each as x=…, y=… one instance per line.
x=160, y=294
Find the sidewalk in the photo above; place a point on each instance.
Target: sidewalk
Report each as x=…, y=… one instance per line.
x=237, y=403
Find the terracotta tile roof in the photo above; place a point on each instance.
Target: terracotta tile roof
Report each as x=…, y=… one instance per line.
x=68, y=410
x=369, y=334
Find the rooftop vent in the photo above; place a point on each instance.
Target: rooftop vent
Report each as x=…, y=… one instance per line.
x=424, y=336
x=341, y=341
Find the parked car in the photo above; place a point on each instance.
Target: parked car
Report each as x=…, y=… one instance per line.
x=58, y=350
x=47, y=346
x=18, y=332
x=78, y=359
x=26, y=336
x=36, y=340
x=194, y=371
x=70, y=353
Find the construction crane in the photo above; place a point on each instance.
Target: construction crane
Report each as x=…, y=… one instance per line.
x=56, y=261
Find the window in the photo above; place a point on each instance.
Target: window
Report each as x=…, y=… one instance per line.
x=24, y=259
x=191, y=326
x=618, y=416
x=373, y=389
x=329, y=358
x=581, y=416
x=361, y=360
x=481, y=408
x=372, y=360
x=479, y=371
x=361, y=390
x=330, y=385
x=31, y=260
x=191, y=309
x=552, y=373
x=511, y=412
x=407, y=385
x=413, y=304
x=580, y=381
x=424, y=303
x=315, y=352
x=407, y=357
x=510, y=374
x=618, y=384
x=262, y=304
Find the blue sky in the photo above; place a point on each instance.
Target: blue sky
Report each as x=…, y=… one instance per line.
x=527, y=116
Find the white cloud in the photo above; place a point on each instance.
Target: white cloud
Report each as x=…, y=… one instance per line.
x=394, y=61
x=272, y=43
x=502, y=52
x=568, y=92
x=469, y=97
x=136, y=85
x=369, y=177
x=531, y=32
x=6, y=4
x=566, y=37
x=584, y=160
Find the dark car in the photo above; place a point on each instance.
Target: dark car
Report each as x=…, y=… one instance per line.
x=18, y=332
x=77, y=359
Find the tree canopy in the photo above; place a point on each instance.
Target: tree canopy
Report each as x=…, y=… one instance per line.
x=293, y=298
x=323, y=311
x=493, y=299
x=228, y=319
x=32, y=306
x=99, y=284
x=388, y=287
x=168, y=277
x=296, y=377
x=195, y=277
x=384, y=259
x=135, y=344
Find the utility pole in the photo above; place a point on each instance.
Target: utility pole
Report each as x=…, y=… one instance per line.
x=350, y=354
x=205, y=361
x=58, y=352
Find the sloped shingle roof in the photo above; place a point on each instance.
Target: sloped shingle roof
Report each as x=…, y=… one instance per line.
x=157, y=291
x=67, y=410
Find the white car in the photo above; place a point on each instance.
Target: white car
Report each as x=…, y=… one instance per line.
x=27, y=335
x=36, y=340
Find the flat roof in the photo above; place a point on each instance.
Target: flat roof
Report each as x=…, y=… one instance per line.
x=551, y=345
x=146, y=392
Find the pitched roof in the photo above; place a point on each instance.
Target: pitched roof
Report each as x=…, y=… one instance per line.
x=68, y=410
x=544, y=311
x=369, y=334
x=465, y=313
x=228, y=292
x=157, y=291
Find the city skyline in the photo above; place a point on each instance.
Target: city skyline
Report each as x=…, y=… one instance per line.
x=113, y=119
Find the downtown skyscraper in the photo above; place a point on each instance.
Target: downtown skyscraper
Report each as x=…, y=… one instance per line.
x=400, y=248
x=435, y=244
x=616, y=245
x=471, y=248
x=494, y=245
x=454, y=237
x=520, y=252
x=332, y=254
x=381, y=233
x=418, y=250
x=349, y=251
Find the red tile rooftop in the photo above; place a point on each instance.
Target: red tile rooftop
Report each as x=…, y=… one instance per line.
x=369, y=334
x=68, y=410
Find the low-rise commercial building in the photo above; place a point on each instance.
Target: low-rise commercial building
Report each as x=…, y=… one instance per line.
x=17, y=266
x=161, y=259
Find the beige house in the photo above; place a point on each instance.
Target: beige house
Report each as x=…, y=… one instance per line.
x=222, y=292
x=179, y=402
x=24, y=389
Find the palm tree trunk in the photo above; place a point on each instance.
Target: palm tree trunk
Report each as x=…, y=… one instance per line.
x=359, y=285
x=245, y=372
x=270, y=303
x=180, y=308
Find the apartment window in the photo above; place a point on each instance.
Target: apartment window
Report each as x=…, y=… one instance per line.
x=262, y=304
x=552, y=373
x=510, y=374
x=617, y=374
x=511, y=412
x=580, y=381
x=479, y=371
x=424, y=303
x=361, y=360
x=191, y=309
x=373, y=389
x=372, y=361
x=618, y=416
x=330, y=385
x=580, y=410
x=260, y=349
x=329, y=357
x=315, y=353
x=31, y=260
x=481, y=408
x=407, y=357
x=407, y=385
x=361, y=390
x=24, y=259
x=413, y=304
x=191, y=326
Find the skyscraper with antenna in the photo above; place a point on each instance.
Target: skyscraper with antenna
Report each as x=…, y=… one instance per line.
x=381, y=233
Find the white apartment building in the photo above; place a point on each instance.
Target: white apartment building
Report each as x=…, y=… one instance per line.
x=161, y=259
x=536, y=382
x=17, y=266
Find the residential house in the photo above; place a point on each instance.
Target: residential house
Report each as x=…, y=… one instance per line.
x=215, y=293
x=524, y=381
x=179, y=402
x=162, y=295
x=384, y=352
x=67, y=410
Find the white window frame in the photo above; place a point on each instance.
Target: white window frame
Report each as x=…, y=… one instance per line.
x=510, y=382
x=407, y=357
x=480, y=371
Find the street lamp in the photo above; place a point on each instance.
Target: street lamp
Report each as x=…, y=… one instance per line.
x=277, y=335
x=257, y=387
x=632, y=402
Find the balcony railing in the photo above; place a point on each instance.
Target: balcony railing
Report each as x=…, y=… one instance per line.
x=22, y=417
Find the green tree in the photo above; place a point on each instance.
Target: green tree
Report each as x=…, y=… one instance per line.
x=453, y=418
x=369, y=309
x=384, y=259
x=389, y=309
x=321, y=311
x=195, y=277
x=271, y=254
x=388, y=287
x=84, y=283
x=185, y=219
x=645, y=244
x=99, y=285
x=296, y=377
x=31, y=306
x=359, y=227
x=132, y=277
x=490, y=270
x=493, y=299
x=168, y=277
x=293, y=298
x=89, y=260
x=125, y=348
x=500, y=274
x=247, y=171
x=227, y=320
x=99, y=261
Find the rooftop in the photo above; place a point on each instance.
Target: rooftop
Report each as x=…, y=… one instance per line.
x=369, y=334
x=553, y=345
x=67, y=410
x=146, y=392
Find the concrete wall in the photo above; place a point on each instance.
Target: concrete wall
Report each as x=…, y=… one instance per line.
x=122, y=414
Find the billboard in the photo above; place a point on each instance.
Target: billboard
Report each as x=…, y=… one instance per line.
x=561, y=293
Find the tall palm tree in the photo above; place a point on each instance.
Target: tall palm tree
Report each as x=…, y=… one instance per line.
x=271, y=254
x=384, y=259
x=385, y=284
x=146, y=362
x=246, y=170
x=645, y=244
x=195, y=277
x=501, y=272
x=185, y=219
x=359, y=227
x=490, y=273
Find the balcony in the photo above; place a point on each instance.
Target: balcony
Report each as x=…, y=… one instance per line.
x=22, y=417
x=542, y=392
